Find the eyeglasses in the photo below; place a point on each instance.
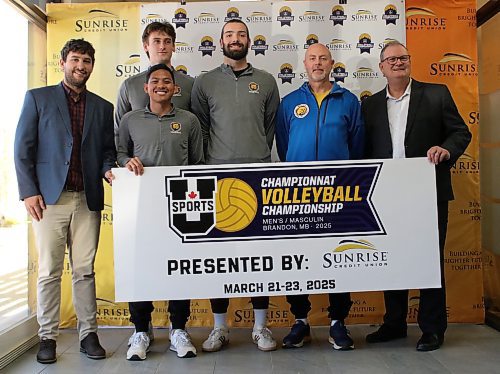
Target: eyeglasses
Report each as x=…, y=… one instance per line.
x=393, y=59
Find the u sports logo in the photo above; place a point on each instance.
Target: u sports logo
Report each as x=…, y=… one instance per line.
x=197, y=205
x=192, y=205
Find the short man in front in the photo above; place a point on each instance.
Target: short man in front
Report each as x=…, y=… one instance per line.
x=158, y=41
x=319, y=121
x=159, y=135
x=236, y=105
x=63, y=149
x=414, y=119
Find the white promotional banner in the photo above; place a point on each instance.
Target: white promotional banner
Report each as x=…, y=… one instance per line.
x=280, y=34
x=196, y=232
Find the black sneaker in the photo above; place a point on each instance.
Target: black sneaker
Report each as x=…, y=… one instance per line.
x=91, y=346
x=299, y=334
x=46, y=351
x=339, y=337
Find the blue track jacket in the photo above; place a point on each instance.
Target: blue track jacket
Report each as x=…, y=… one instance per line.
x=306, y=132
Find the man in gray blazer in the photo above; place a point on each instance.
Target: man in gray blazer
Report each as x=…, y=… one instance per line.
x=63, y=148
x=414, y=119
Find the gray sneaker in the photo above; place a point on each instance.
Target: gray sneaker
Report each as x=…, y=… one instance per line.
x=139, y=346
x=149, y=332
x=180, y=342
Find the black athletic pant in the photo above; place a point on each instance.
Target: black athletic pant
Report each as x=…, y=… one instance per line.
x=432, y=307
x=340, y=304
x=140, y=314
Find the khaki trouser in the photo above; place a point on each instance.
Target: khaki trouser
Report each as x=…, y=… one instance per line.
x=69, y=223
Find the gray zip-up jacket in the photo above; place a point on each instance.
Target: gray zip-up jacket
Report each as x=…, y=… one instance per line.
x=169, y=140
x=131, y=95
x=237, y=114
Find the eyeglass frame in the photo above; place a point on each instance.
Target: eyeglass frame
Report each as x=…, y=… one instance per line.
x=396, y=59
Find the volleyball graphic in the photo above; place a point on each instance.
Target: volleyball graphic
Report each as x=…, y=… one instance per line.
x=236, y=205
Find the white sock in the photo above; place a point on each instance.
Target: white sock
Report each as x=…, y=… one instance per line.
x=304, y=320
x=334, y=321
x=260, y=319
x=220, y=320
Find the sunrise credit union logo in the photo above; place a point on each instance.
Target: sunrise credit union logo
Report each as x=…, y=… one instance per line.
x=99, y=20
x=129, y=67
x=419, y=18
x=454, y=64
x=354, y=254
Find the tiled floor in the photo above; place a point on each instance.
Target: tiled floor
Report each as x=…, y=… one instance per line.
x=468, y=349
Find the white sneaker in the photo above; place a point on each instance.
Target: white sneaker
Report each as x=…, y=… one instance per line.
x=139, y=346
x=264, y=339
x=218, y=337
x=149, y=333
x=180, y=342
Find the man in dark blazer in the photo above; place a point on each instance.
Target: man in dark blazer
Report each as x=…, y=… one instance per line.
x=415, y=119
x=63, y=148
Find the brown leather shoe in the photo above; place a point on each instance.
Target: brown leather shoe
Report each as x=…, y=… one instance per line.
x=46, y=351
x=90, y=345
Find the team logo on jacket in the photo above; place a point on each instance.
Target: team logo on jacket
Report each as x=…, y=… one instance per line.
x=301, y=110
x=175, y=128
x=177, y=91
x=180, y=18
x=253, y=87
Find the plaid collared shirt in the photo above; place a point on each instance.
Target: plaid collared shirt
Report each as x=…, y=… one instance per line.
x=76, y=107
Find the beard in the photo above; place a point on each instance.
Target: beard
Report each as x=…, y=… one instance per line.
x=75, y=82
x=235, y=55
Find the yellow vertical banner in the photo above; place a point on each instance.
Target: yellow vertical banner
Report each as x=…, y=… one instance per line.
x=113, y=30
x=441, y=37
